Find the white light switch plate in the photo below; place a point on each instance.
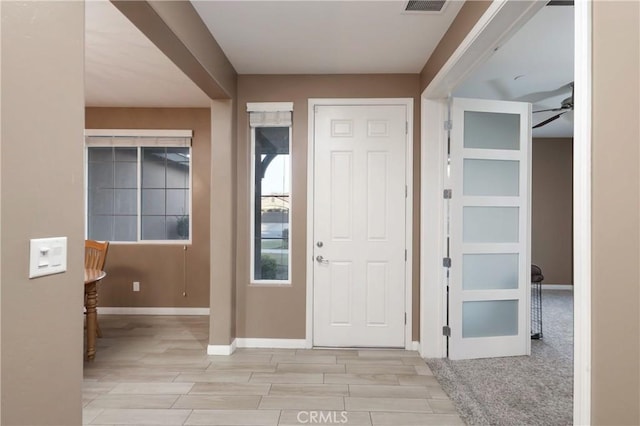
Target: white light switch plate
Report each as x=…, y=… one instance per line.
x=47, y=256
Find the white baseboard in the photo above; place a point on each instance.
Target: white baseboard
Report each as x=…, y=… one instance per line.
x=152, y=311
x=248, y=342
x=557, y=287
x=222, y=349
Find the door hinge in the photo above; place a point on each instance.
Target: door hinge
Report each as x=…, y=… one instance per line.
x=446, y=331
x=448, y=125
x=446, y=262
x=405, y=255
x=405, y=318
x=406, y=127
x=406, y=191
x=315, y=109
x=447, y=193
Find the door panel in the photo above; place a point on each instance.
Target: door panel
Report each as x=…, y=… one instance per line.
x=489, y=229
x=359, y=226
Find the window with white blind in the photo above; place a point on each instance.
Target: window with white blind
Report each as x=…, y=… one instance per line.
x=138, y=185
x=270, y=125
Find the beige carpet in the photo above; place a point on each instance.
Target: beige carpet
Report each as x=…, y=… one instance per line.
x=535, y=390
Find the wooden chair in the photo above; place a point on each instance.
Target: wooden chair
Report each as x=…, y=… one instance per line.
x=95, y=256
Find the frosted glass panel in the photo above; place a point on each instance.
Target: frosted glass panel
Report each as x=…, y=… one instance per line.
x=490, y=224
x=489, y=318
x=491, y=130
x=489, y=271
x=499, y=178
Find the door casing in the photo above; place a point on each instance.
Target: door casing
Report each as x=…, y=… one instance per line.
x=408, y=103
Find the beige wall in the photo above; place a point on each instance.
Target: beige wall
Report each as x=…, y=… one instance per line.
x=552, y=209
x=279, y=312
x=616, y=220
x=42, y=196
x=465, y=20
x=0, y=218
x=160, y=268
x=222, y=321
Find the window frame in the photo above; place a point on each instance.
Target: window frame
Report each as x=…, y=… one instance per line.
x=143, y=139
x=268, y=107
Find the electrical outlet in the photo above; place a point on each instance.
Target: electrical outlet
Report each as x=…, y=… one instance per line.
x=136, y=286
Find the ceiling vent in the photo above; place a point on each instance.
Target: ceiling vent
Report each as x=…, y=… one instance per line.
x=424, y=6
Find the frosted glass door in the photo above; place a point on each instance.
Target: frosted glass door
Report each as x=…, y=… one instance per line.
x=489, y=229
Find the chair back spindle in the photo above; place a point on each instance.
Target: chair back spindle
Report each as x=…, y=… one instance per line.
x=95, y=254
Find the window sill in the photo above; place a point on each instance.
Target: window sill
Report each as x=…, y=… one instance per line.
x=268, y=283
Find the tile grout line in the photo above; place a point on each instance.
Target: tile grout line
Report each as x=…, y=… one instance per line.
x=187, y=417
x=260, y=402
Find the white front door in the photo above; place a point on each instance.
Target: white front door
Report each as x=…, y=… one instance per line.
x=359, y=225
x=489, y=285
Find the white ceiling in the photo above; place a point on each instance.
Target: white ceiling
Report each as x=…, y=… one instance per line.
x=325, y=37
x=535, y=65
x=123, y=68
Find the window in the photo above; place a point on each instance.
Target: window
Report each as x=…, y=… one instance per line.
x=271, y=191
x=138, y=187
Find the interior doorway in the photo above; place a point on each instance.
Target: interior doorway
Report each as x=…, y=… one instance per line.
x=487, y=39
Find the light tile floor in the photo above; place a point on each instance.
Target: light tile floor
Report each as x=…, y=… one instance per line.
x=154, y=370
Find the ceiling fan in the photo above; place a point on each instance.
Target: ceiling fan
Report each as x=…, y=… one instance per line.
x=565, y=106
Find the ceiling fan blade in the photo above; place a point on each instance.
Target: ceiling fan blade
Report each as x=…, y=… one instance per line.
x=549, y=120
x=539, y=96
x=560, y=3
x=549, y=110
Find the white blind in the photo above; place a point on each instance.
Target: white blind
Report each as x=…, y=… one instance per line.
x=270, y=119
x=134, y=138
x=270, y=114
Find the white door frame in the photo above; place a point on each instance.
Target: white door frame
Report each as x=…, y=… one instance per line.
x=408, y=103
x=501, y=20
